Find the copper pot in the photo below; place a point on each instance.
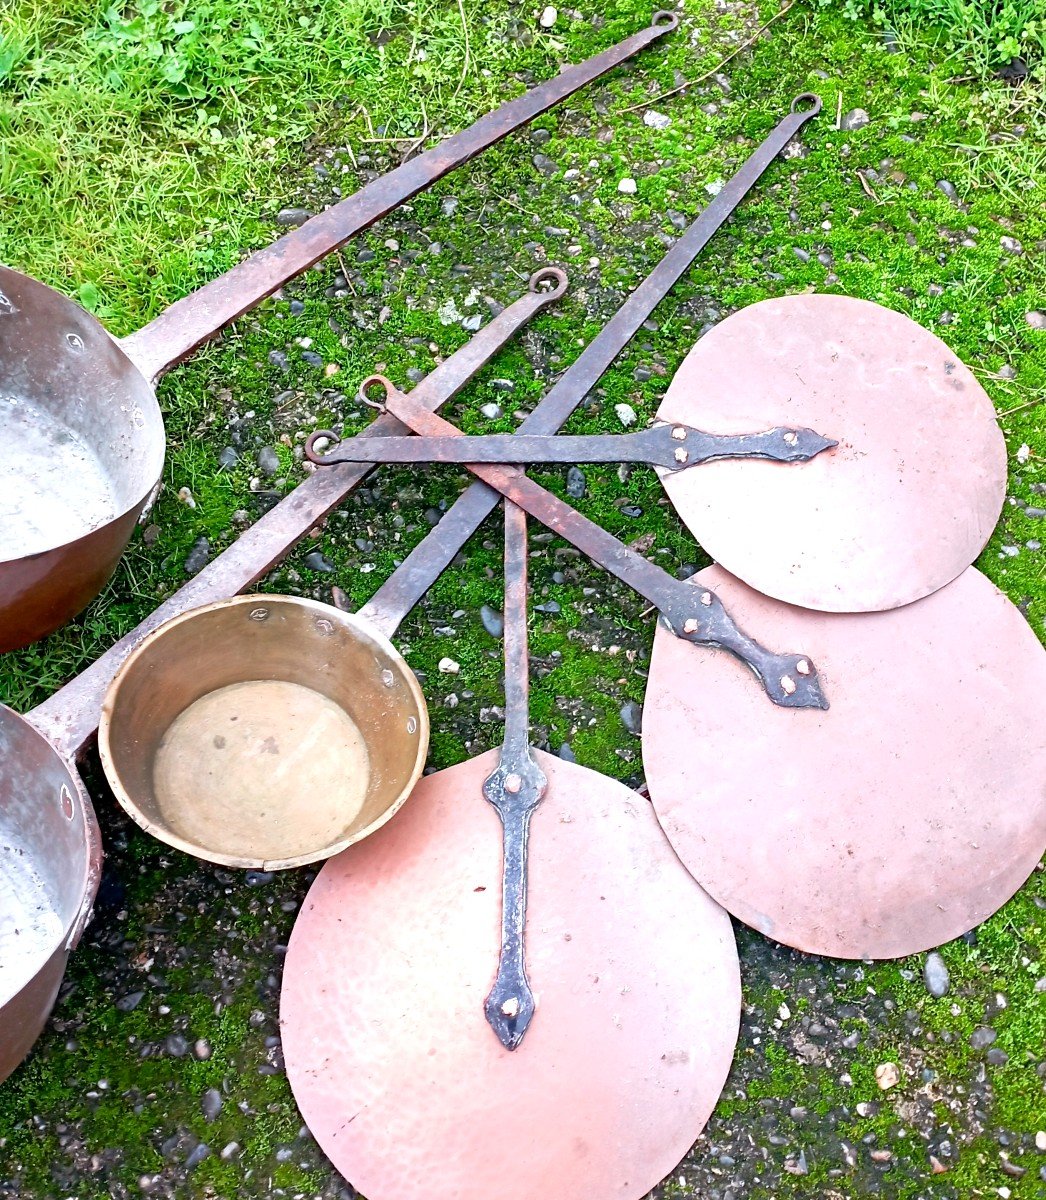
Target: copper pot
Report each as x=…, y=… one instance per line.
x=263, y=731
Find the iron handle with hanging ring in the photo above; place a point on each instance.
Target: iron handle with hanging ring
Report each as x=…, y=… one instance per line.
x=673, y=446
x=432, y=556
x=692, y=612
x=179, y=329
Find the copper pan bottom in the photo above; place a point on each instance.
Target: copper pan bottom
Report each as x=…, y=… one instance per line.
x=634, y=972
x=903, y=816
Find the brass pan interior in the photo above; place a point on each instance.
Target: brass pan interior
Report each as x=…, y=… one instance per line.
x=263, y=731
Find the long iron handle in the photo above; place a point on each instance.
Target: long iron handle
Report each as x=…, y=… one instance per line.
x=515, y=788
x=430, y=558
x=675, y=447
x=177, y=331
x=693, y=612
x=69, y=719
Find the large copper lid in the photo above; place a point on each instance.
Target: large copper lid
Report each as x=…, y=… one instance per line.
x=899, y=818
x=634, y=971
x=902, y=506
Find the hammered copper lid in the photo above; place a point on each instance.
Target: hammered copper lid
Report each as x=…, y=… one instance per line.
x=899, y=818
x=903, y=504
x=634, y=971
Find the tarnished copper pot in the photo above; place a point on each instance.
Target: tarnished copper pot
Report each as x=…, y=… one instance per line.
x=81, y=450
x=50, y=863
x=264, y=731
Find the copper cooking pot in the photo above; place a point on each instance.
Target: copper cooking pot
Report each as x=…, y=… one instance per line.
x=264, y=731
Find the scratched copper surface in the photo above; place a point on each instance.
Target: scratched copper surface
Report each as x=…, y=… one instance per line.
x=633, y=968
x=901, y=817
x=904, y=503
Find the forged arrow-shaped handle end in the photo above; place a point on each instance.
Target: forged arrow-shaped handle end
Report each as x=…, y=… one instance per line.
x=800, y=445
x=796, y=683
x=697, y=615
x=509, y=1009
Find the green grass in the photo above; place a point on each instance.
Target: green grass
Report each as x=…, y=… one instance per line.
x=139, y=158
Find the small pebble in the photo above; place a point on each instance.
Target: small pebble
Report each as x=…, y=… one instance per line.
x=448, y=666
x=230, y=1150
x=656, y=120
x=935, y=975
x=211, y=1104
x=1037, y=320
x=982, y=1037
x=540, y=137
x=493, y=621
x=228, y=457
x=297, y=308
x=632, y=717
x=627, y=186
x=268, y=460
x=197, y=1155
x=198, y=557
x=566, y=753
x=577, y=485
x=129, y=1002
x=176, y=1046
x=887, y=1075
x=856, y=118
x=316, y=561
x=292, y=217
x=491, y=411
x=548, y=18
x=947, y=189
x=550, y=606
x=1040, y=1141
x=626, y=414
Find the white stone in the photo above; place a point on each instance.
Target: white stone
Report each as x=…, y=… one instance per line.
x=656, y=120
x=628, y=186
x=714, y=188
x=548, y=18
x=887, y=1075
x=626, y=414
x=448, y=666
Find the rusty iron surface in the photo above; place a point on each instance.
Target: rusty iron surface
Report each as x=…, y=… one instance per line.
x=177, y=331
x=70, y=717
x=904, y=503
x=694, y=613
x=903, y=816
x=674, y=447
x=634, y=969
x=472, y=508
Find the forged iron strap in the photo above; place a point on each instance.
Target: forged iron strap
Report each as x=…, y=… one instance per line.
x=674, y=447
x=515, y=789
x=429, y=559
x=693, y=613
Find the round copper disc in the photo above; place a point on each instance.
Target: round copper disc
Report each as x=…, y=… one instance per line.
x=901, y=506
x=633, y=968
x=900, y=818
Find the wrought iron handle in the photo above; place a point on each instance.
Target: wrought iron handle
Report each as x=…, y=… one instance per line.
x=476, y=503
x=692, y=612
x=675, y=447
x=515, y=788
x=177, y=331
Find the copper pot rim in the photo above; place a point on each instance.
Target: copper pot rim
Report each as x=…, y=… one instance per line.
x=89, y=865
x=154, y=420
x=162, y=833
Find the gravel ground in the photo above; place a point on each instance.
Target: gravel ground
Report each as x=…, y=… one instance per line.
x=161, y=1072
